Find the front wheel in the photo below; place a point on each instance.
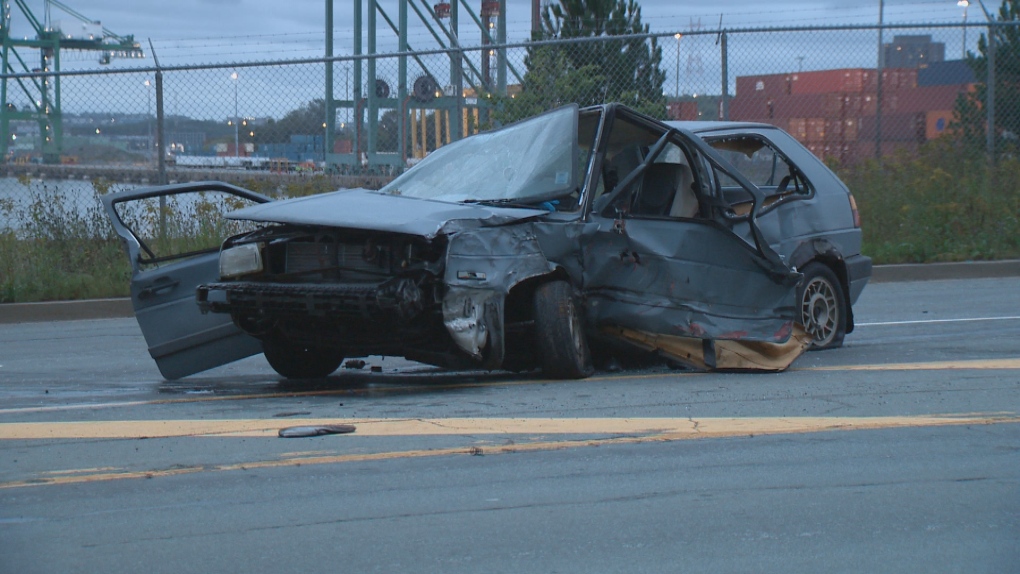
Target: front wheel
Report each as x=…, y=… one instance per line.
x=562, y=345
x=822, y=306
x=298, y=361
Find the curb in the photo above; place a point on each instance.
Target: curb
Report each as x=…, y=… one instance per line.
x=121, y=307
x=65, y=310
x=943, y=271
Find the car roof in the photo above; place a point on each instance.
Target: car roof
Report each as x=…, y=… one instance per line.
x=716, y=126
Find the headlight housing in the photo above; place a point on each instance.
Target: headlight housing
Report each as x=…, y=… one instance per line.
x=241, y=260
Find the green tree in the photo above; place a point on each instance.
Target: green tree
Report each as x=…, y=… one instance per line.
x=610, y=70
x=305, y=120
x=970, y=111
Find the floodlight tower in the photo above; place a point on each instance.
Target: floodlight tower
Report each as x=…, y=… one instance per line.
x=43, y=91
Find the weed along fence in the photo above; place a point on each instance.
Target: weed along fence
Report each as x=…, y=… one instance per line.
x=922, y=125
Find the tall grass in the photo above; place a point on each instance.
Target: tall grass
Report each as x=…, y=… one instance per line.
x=60, y=251
x=940, y=204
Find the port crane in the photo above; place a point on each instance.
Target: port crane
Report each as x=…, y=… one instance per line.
x=36, y=86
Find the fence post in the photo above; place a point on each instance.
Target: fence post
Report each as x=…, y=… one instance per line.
x=330, y=119
x=725, y=104
x=990, y=94
x=161, y=178
x=880, y=65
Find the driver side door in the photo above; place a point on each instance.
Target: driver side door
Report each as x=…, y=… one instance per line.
x=172, y=236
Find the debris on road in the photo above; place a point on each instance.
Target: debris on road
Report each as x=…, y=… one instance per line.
x=317, y=430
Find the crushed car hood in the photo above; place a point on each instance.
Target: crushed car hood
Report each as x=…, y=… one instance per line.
x=371, y=210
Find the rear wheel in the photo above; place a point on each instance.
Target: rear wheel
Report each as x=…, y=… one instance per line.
x=562, y=345
x=298, y=361
x=822, y=306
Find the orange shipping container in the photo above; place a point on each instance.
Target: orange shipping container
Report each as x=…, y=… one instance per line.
x=937, y=122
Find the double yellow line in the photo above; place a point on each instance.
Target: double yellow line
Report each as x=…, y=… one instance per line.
x=525, y=435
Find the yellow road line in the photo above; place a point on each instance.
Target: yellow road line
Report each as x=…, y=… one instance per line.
x=702, y=427
x=977, y=364
x=667, y=430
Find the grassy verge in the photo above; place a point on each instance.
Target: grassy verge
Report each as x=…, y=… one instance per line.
x=60, y=252
x=937, y=205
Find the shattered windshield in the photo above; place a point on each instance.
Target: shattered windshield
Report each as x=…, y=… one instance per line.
x=531, y=161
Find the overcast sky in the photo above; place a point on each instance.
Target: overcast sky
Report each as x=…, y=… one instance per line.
x=202, y=32
x=215, y=31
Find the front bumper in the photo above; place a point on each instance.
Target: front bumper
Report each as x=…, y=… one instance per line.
x=400, y=298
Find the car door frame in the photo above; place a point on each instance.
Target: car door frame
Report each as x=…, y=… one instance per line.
x=180, y=338
x=640, y=271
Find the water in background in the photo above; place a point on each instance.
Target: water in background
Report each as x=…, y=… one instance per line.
x=76, y=196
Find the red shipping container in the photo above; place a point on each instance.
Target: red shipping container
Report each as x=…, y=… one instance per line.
x=767, y=85
x=832, y=81
x=748, y=108
x=908, y=127
x=683, y=111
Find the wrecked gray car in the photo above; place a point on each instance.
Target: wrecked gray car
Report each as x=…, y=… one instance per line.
x=541, y=244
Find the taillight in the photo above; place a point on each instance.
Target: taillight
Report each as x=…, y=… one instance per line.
x=854, y=212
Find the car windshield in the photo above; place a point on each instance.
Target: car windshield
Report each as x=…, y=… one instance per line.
x=531, y=161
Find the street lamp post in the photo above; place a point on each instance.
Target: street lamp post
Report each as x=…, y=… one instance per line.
x=964, y=4
x=678, y=35
x=237, y=153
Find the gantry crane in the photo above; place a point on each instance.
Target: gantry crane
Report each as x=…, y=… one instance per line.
x=42, y=90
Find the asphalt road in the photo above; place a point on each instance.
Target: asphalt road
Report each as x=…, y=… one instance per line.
x=898, y=453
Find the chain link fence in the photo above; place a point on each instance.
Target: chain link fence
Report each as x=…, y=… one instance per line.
x=851, y=94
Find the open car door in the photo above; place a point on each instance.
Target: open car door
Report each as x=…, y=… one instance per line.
x=172, y=236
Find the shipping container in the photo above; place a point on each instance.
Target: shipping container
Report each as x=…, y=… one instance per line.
x=682, y=111
x=937, y=122
x=852, y=80
x=831, y=81
x=956, y=72
x=908, y=127
x=932, y=98
x=842, y=130
x=760, y=108
x=767, y=85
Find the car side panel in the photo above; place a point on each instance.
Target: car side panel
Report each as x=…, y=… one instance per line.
x=685, y=278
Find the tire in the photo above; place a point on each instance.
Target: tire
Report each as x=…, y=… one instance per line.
x=299, y=362
x=823, y=307
x=562, y=345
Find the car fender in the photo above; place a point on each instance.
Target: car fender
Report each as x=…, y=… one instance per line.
x=826, y=252
x=482, y=266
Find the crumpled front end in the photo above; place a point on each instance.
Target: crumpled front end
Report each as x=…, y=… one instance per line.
x=358, y=292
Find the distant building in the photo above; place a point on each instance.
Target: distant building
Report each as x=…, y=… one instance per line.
x=913, y=51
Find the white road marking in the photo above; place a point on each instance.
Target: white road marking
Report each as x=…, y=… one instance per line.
x=925, y=321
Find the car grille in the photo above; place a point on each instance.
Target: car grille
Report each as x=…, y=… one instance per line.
x=303, y=257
